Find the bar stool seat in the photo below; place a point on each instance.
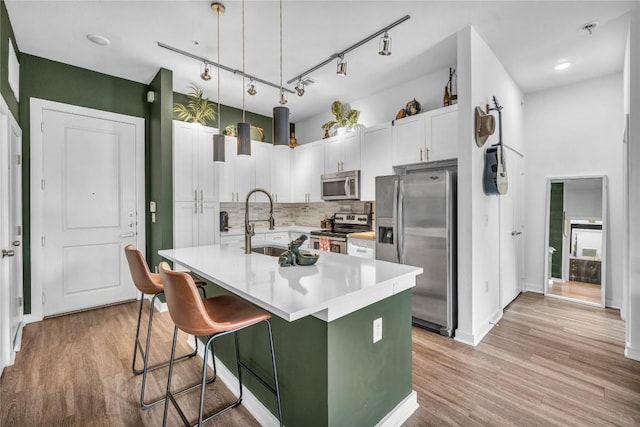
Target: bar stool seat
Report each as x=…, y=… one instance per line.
x=212, y=318
x=149, y=283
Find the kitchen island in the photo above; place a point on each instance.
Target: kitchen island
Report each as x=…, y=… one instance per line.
x=330, y=370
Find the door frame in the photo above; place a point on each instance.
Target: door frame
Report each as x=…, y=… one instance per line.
x=37, y=107
x=6, y=346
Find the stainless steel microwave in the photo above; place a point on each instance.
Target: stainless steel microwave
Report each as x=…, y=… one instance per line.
x=341, y=186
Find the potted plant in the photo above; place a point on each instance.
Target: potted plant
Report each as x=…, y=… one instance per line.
x=345, y=118
x=198, y=109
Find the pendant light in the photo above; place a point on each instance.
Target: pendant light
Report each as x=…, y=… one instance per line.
x=244, y=128
x=218, y=140
x=281, y=114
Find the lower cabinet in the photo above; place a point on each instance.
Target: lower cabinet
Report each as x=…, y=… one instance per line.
x=194, y=223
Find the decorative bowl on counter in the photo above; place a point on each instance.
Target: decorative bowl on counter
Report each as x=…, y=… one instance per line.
x=307, y=259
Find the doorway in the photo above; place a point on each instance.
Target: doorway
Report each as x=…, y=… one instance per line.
x=87, y=203
x=575, y=249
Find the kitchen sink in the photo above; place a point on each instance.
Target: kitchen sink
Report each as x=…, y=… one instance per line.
x=274, y=251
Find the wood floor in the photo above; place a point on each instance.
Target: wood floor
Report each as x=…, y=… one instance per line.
x=548, y=362
x=588, y=292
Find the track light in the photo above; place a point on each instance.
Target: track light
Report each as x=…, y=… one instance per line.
x=385, y=45
x=252, y=88
x=342, y=66
x=299, y=88
x=205, y=73
x=283, y=97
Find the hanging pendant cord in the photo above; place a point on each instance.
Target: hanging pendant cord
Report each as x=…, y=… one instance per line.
x=280, y=47
x=243, y=74
x=218, y=51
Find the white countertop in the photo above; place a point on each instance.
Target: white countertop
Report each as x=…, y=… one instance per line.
x=335, y=286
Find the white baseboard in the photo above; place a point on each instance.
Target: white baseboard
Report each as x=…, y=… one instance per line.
x=17, y=343
x=531, y=287
x=401, y=412
x=396, y=417
x=29, y=318
x=631, y=353
x=479, y=334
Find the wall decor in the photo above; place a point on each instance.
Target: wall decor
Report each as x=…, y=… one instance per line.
x=198, y=109
x=485, y=126
x=345, y=117
x=412, y=108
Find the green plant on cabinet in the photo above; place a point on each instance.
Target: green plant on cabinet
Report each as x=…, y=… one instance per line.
x=198, y=109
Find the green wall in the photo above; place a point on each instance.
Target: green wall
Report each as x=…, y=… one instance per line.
x=556, y=226
x=55, y=81
x=159, y=169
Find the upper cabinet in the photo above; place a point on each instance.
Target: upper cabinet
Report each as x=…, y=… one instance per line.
x=194, y=189
x=376, y=158
x=308, y=166
x=342, y=152
x=280, y=174
x=236, y=174
x=426, y=137
x=193, y=162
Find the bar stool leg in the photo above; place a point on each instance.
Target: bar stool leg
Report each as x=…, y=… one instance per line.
x=168, y=392
x=275, y=372
x=136, y=343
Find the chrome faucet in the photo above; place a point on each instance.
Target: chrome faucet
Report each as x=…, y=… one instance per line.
x=248, y=227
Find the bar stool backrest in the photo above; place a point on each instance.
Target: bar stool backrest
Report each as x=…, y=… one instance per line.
x=145, y=281
x=186, y=308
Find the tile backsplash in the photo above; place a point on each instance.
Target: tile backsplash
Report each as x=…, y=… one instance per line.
x=284, y=214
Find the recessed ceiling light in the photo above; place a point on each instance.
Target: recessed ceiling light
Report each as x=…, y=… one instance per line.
x=99, y=40
x=562, y=66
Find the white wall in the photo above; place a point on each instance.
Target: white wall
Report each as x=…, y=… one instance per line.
x=574, y=130
x=481, y=76
x=632, y=349
x=383, y=106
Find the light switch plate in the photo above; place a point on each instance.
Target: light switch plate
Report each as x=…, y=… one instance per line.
x=377, y=329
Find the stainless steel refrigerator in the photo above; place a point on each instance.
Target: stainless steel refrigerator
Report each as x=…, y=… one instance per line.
x=416, y=225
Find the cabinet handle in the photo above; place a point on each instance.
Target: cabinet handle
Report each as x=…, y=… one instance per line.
x=276, y=197
x=427, y=153
x=342, y=166
x=201, y=201
x=421, y=154
x=195, y=201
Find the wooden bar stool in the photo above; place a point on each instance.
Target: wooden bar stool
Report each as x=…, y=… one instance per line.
x=150, y=284
x=212, y=318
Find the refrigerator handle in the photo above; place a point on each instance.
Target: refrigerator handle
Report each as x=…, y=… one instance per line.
x=400, y=223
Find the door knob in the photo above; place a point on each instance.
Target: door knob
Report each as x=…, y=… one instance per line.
x=516, y=233
x=6, y=253
x=16, y=243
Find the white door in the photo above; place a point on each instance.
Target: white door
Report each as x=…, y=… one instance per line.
x=90, y=203
x=511, y=230
x=15, y=228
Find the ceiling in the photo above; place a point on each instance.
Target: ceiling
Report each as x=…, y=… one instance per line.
x=529, y=38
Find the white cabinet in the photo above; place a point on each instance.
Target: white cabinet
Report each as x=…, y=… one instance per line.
x=236, y=173
x=377, y=150
x=194, y=190
x=342, y=152
x=308, y=166
x=261, y=153
x=426, y=137
x=442, y=133
x=280, y=174
x=363, y=248
x=409, y=140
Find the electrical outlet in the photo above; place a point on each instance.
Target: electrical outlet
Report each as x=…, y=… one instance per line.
x=377, y=329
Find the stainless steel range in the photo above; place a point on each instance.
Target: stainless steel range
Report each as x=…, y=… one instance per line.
x=335, y=239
